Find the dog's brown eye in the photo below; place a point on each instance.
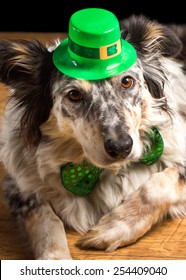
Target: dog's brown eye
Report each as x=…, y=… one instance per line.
x=75, y=95
x=127, y=82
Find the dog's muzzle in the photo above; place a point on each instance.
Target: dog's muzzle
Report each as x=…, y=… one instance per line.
x=119, y=149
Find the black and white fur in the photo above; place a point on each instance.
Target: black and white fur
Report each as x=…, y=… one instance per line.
x=52, y=119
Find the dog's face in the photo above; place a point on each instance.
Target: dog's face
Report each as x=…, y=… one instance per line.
x=104, y=116
x=103, y=121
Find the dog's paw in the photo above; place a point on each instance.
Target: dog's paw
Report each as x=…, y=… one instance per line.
x=99, y=239
x=108, y=235
x=121, y=227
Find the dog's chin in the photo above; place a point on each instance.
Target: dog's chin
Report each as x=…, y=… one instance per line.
x=101, y=159
x=115, y=166
x=107, y=162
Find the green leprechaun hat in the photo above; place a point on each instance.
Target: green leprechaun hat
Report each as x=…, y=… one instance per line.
x=94, y=48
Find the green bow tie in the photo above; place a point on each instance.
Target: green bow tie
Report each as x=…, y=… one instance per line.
x=80, y=178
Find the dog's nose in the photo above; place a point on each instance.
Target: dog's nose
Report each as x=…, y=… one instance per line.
x=119, y=149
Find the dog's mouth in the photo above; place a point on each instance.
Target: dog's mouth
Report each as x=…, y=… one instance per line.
x=115, y=154
x=101, y=159
x=107, y=164
x=109, y=154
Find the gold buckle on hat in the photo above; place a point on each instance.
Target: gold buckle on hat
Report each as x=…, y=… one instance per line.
x=110, y=51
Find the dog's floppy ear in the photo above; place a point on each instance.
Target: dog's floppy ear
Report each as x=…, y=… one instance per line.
x=152, y=41
x=150, y=37
x=26, y=66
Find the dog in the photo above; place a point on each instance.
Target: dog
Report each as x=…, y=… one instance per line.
x=52, y=119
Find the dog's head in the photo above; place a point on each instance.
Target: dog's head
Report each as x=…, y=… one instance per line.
x=103, y=121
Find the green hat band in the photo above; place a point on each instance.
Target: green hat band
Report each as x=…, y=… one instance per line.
x=104, y=52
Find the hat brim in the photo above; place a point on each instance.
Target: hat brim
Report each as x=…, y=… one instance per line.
x=91, y=69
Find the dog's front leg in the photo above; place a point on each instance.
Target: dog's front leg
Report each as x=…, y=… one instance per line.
x=133, y=218
x=47, y=234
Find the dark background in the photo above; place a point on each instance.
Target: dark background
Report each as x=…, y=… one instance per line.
x=53, y=16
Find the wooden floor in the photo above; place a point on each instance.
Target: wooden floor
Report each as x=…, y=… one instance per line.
x=166, y=241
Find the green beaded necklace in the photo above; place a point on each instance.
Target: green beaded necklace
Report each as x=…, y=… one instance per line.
x=81, y=179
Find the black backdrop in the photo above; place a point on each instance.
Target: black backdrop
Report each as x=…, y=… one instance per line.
x=53, y=16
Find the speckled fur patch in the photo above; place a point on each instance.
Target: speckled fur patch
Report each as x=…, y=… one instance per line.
x=20, y=204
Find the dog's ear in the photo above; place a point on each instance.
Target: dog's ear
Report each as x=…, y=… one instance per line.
x=152, y=41
x=150, y=37
x=26, y=66
x=180, y=31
